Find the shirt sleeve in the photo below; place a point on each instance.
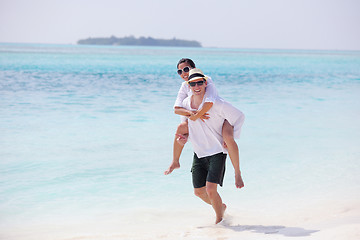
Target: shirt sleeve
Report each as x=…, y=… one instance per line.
x=182, y=94
x=211, y=92
x=234, y=116
x=186, y=105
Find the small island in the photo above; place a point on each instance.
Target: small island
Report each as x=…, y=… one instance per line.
x=141, y=41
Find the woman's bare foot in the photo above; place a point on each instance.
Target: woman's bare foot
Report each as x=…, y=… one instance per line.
x=174, y=165
x=220, y=218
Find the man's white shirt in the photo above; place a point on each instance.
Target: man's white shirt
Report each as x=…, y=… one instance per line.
x=206, y=137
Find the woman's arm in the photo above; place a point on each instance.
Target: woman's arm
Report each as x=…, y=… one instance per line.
x=210, y=96
x=182, y=94
x=183, y=112
x=202, y=113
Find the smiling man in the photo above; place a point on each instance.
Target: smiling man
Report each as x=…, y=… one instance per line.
x=206, y=137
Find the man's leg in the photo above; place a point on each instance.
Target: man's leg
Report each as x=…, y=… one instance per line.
x=177, y=149
x=216, y=201
x=201, y=193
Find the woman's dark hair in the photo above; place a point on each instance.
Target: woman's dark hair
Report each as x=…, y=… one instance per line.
x=186, y=60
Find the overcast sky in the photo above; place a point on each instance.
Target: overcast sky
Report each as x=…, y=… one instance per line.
x=279, y=24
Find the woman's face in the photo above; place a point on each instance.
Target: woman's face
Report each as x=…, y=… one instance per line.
x=184, y=75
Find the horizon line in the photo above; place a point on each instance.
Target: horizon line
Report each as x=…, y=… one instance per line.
x=214, y=47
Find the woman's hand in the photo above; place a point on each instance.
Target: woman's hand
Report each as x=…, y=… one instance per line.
x=204, y=117
x=196, y=116
x=193, y=116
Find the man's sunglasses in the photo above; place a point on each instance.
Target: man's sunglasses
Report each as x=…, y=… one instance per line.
x=199, y=83
x=185, y=69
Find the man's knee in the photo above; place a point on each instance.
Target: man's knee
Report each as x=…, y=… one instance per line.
x=199, y=191
x=211, y=189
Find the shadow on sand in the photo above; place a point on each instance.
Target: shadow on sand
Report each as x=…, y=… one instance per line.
x=282, y=230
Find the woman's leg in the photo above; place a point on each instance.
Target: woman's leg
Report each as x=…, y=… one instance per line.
x=180, y=139
x=233, y=150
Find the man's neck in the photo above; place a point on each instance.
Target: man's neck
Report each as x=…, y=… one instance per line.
x=196, y=101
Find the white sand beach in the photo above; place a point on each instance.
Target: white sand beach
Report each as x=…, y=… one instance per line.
x=321, y=221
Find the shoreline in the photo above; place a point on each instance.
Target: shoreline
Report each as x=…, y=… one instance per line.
x=331, y=220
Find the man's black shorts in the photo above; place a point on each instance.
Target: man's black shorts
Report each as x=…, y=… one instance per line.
x=208, y=169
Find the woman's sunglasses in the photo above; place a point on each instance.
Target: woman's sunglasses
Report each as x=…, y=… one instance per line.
x=185, y=69
x=199, y=83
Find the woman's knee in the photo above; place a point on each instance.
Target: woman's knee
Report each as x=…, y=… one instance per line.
x=228, y=132
x=228, y=137
x=182, y=128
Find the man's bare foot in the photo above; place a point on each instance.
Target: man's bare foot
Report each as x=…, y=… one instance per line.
x=220, y=218
x=174, y=165
x=238, y=181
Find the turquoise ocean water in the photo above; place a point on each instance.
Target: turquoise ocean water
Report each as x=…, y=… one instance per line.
x=86, y=133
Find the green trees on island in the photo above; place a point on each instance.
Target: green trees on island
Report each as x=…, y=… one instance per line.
x=141, y=41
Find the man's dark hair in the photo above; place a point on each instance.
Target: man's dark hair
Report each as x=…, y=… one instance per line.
x=186, y=60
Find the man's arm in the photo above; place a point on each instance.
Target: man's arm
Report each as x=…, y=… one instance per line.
x=239, y=183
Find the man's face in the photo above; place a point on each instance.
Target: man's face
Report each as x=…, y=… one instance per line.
x=198, y=86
